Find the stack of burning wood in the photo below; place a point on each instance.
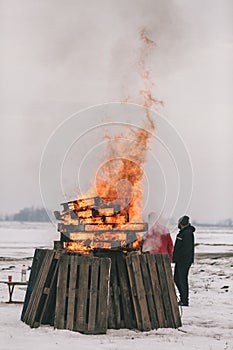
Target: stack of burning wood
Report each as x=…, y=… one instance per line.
x=96, y=222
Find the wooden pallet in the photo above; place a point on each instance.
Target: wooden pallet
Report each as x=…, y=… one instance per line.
x=36, y=263
x=121, y=309
x=82, y=294
x=153, y=291
x=112, y=289
x=38, y=309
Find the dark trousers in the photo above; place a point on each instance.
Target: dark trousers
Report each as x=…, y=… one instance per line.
x=181, y=280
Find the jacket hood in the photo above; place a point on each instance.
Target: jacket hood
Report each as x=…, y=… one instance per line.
x=189, y=227
x=193, y=228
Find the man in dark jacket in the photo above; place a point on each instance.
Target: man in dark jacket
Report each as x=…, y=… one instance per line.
x=183, y=257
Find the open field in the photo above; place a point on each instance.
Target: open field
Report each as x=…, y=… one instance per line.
x=207, y=323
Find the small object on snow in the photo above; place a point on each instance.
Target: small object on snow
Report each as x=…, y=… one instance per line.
x=9, y=278
x=182, y=330
x=23, y=274
x=224, y=287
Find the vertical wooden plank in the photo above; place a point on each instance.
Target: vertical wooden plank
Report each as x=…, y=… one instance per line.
x=115, y=290
x=111, y=311
x=39, y=297
x=60, y=309
x=37, y=261
x=148, y=291
x=32, y=310
x=72, y=292
x=93, y=294
x=84, y=262
x=114, y=320
x=111, y=307
x=48, y=312
x=128, y=311
x=171, y=291
x=134, y=292
x=120, y=315
x=104, y=282
x=146, y=324
x=164, y=289
x=50, y=285
x=156, y=289
x=31, y=303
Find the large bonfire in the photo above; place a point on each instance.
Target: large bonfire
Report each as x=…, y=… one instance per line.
x=109, y=215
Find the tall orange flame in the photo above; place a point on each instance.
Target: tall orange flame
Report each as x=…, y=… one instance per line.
x=120, y=177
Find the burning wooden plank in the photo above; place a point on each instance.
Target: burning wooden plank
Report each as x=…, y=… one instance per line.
x=81, y=246
x=81, y=236
x=124, y=237
x=93, y=202
x=103, y=245
x=85, y=214
x=102, y=236
x=106, y=212
x=102, y=227
x=76, y=247
x=109, y=236
x=89, y=221
x=119, y=219
x=88, y=202
x=133, y=227
x=69, y=221
x=73, y=206
x=85, y=218
x=70, y=228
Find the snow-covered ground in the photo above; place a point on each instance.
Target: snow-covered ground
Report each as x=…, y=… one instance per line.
x=207, y=322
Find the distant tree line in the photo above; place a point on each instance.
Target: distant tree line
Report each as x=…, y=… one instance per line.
x=29, y=214
x=223, y=223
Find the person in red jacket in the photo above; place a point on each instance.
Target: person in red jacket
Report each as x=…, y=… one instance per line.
x=157, y=240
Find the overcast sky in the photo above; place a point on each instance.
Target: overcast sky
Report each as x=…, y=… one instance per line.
x=59, y=56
